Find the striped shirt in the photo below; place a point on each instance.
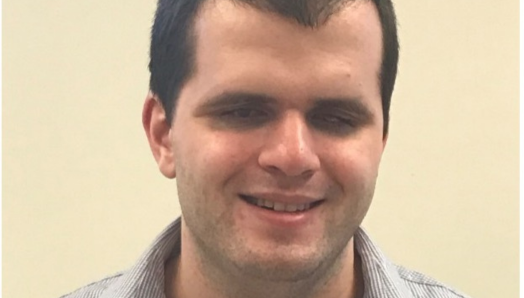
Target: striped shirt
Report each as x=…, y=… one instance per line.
x=382, y=279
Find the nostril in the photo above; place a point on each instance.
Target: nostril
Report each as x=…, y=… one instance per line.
x=290, y=173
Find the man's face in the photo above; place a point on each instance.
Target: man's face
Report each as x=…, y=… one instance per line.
x=285, y=116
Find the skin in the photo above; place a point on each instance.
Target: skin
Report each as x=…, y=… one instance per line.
x=273, y=107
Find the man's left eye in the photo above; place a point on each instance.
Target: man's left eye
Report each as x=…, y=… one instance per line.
x=331, y=123
x=332, y=119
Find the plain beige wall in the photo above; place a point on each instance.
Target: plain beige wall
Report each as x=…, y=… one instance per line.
x=82, y=197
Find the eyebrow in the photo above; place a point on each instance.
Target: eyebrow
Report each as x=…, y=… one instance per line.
x=234, y=99
x=354, y=107
x=351, y=105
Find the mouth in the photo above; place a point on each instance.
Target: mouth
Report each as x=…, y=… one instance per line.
x=278, y=206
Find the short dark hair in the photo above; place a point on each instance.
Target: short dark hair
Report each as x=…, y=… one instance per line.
x=173, y=42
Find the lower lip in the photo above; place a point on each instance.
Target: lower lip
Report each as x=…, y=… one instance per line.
x=283, y=219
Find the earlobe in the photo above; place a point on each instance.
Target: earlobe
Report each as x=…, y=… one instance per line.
x=158, y=132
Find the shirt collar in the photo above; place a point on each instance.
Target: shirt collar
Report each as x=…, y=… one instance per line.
x=146, y=277
x=381, y=278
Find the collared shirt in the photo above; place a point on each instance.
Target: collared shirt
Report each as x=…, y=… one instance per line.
x=382, y=279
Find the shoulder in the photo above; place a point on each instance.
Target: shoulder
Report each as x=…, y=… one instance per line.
x=423, y=286
x=95, y=289
x=383, y=278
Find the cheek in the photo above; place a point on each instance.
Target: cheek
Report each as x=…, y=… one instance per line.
x=226, y=152
x=215, y=157
x=354, y=166
x=354, y=174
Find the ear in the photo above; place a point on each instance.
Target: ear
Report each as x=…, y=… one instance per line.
x=384, y=141
x=158, y=132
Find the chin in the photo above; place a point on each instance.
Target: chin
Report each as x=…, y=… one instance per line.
x=281, y=264
x=290, y=271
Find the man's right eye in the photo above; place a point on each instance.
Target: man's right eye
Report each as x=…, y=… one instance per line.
x=244, y=117
x=244, y=113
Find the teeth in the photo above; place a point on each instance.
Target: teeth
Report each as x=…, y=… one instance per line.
x=291, y=208
x=281, y=207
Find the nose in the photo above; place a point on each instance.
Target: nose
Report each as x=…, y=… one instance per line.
x=288, y=148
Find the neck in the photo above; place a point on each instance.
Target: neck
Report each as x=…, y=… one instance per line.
x=191, y=276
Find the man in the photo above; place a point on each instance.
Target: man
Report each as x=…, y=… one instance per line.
x=273, y=116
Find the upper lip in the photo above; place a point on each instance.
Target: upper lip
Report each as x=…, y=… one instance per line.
x=284, y=198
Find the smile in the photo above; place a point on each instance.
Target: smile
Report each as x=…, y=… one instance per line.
x=278, y=206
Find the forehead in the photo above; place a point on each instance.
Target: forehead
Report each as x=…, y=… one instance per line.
x=242, y=45
x=355, y=26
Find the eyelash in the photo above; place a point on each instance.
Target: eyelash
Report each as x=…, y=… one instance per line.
x=333, y=119
x=238, y=117
x=325, y=121
x=234, y=113
x=332, y=123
